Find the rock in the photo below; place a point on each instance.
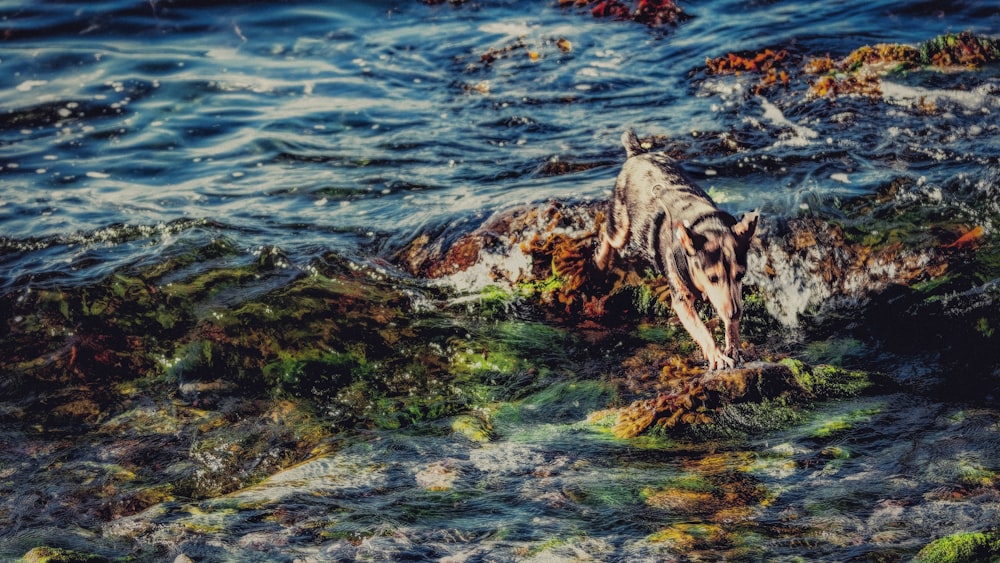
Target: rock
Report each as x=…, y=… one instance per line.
x=439, y=475
x=967, y=547
x=685, y=398
x=473, y=428
x=59, y=555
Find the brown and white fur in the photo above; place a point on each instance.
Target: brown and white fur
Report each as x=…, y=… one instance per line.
x=701, y=249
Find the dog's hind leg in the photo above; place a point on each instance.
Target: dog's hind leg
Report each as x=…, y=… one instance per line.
x=604, y=254
x=614, y=236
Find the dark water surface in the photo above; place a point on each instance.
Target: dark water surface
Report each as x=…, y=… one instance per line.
x=126, y=127
x=132, y=132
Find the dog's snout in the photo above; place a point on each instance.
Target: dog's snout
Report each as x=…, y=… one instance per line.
x=730, y=309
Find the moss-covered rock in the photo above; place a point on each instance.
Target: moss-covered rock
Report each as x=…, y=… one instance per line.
x=759, y=396
x=473, y=427
x=861, y=71
x=59, y=555
x=965, y=547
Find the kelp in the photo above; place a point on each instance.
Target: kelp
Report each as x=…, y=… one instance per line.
x=771, y=64
x=654, y=13
x=650, y=12
x=716, y=498
x=688, y=397
x=860, y=72
x=966, y=49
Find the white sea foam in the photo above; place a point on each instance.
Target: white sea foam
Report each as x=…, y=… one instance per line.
x=28, y=85
x=800, y=135
x=793, y=287
x=514, y=29
x=979, y=98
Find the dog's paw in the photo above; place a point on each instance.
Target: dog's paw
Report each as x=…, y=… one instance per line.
x=718, y=360
x=742, y=354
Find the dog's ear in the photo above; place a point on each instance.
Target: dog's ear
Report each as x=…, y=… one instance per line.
x=692, y=243
x=745, y=229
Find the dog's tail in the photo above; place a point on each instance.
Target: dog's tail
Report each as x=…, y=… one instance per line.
x=632, y=144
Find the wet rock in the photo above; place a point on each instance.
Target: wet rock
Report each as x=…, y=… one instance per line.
x=861, y=72
x=650, y=12
x=961, y=548
x=541, y=253
x=439, y=476
x=60, y=555
x=809, y=265
x=685, y=401
x=473, y=428
x=501, y=247
x=805, y=265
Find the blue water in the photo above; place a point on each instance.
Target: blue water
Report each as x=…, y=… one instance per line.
x=127, y=127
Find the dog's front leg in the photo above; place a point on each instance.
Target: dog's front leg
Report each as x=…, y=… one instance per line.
x=683, y=304
x=604, y=254
x=733, y=349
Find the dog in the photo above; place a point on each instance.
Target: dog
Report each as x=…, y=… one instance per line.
x=699, y=248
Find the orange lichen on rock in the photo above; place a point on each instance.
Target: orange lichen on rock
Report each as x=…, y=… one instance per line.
x=970, y=239
x=863, y=84
x=821, y=65
x=769, y=63
x=734, y=63
x=569, y=260
x=860, y=71
x=882, y=53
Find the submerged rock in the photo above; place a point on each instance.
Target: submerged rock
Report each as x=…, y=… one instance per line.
x=60, y=555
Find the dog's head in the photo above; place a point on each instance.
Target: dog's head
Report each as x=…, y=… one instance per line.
x=718, y=261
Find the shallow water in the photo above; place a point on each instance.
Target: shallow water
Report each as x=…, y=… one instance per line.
x=132, y=133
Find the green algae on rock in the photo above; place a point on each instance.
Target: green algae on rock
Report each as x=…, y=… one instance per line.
x=60, y=555
x=706, y=403
x=860, y=73
x=968, y=547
